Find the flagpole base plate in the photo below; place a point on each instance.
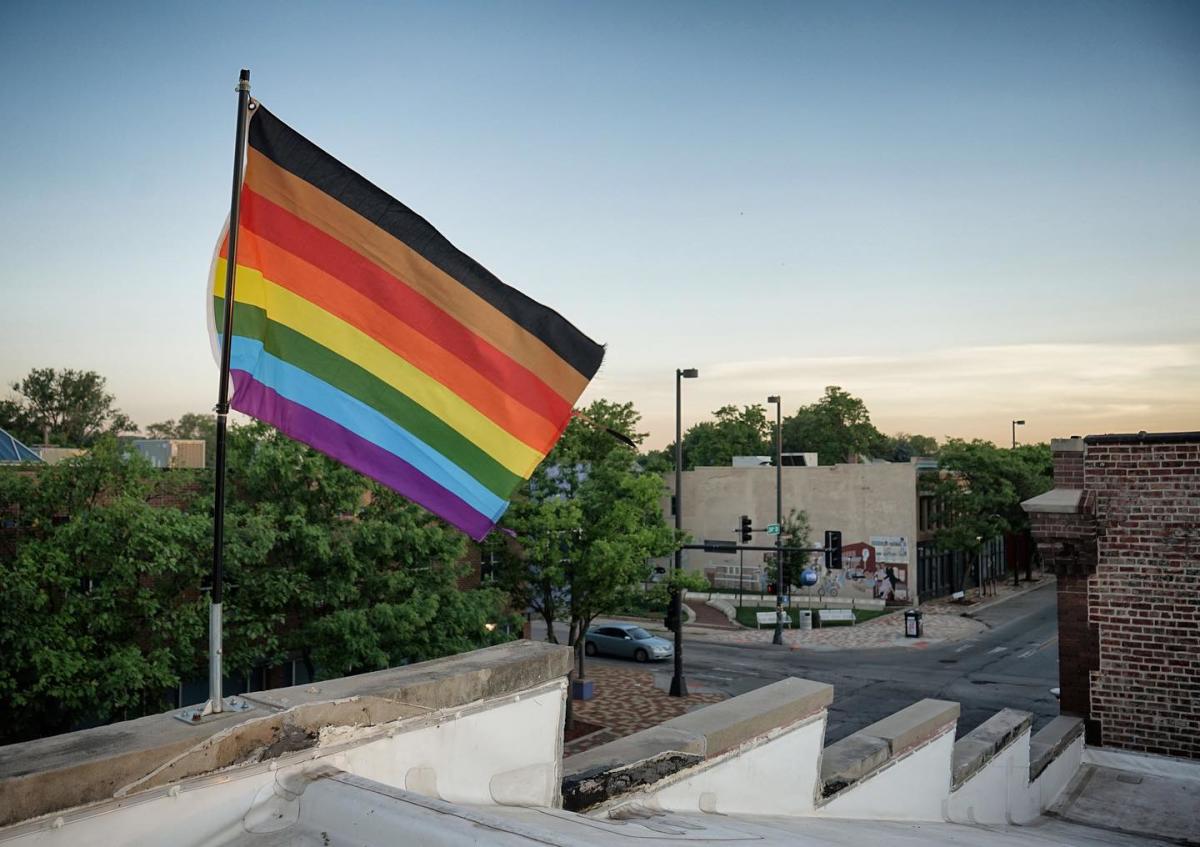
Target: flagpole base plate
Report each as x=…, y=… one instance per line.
x=200, y=714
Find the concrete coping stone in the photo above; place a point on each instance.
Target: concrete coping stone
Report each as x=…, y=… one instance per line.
x=607, y=771
x=49, y=774
x=1048, y=743
x=1056, y=501
x=986, y=741
x=856, y=756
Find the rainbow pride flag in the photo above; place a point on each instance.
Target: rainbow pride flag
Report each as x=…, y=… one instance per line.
x=361, y=331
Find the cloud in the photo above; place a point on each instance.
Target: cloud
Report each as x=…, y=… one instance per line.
x=970, y=391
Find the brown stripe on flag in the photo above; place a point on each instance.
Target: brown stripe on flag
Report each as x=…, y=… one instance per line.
x=299, y=156
x=301, y=199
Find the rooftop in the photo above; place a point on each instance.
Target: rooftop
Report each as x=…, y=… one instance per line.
x=12, y=450
x=468, y=750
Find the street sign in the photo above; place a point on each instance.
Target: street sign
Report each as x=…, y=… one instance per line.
x=711, y=546
x=772, y=529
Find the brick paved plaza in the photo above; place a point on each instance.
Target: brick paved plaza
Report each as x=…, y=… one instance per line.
x=627, y=701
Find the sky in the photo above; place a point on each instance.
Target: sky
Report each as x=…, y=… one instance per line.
x=961, y=212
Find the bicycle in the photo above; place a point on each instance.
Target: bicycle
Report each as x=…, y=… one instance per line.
x=828, y=585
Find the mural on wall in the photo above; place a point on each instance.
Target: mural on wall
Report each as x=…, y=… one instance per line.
x=877, y=568
x=891, y=566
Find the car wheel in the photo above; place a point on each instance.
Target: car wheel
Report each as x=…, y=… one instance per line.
x=641, y=655
x=589, y=647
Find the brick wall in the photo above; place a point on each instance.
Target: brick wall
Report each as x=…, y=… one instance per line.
x=1067, y=455
x=1144, y=597
x=1078, y=651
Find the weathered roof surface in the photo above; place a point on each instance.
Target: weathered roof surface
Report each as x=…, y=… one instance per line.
x=368, y=813
x=12, y=450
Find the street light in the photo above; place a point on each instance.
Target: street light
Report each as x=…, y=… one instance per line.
x=678, y=683
x=1016, y=424
x=774, y=398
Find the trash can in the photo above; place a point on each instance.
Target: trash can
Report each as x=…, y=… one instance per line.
x=805, y=621
x=912, y=624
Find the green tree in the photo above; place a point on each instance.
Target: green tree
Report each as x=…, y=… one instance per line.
x=586, y=524
x=326, y=565
x=902, y=447
x=980, y=490
x=658, y=461
x=732, y=432
x=190, y=426
x=837, y=427
x=100, y=613
x=796, y=531
x=62, y=407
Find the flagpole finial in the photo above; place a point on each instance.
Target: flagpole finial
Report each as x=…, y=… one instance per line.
x=243, y=80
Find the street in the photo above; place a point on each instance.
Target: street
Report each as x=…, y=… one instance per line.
x=1012, y=664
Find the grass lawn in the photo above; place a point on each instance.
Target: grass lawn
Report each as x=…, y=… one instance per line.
x=745, y=616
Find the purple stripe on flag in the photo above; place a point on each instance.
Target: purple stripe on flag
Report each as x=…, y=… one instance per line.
x=303, y=424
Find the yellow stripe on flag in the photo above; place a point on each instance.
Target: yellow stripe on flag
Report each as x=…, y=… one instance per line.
x=284, y=307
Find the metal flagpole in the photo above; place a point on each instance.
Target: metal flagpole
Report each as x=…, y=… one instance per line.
x=216, y=703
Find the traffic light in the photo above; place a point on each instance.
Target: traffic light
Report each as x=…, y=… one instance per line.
x=833, y=550
x=671, y=621
x=745, y=528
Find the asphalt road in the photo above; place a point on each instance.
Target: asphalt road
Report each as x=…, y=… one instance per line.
x=1013, y=664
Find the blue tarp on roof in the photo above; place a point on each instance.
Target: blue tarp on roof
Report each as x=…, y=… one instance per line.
x=12, y=450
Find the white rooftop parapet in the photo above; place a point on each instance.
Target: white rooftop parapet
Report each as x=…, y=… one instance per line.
x=906, y=767
x=482, y=728
x=468, y=750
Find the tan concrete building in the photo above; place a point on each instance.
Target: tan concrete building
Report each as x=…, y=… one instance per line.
x=875, y=506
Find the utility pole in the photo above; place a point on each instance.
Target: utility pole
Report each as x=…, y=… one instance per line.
x=678, y=683
x=775, y=398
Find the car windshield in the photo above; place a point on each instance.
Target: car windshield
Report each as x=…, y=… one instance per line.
x=638, y=634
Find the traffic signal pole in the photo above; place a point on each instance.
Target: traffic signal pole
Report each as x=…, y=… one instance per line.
x=678, y=683
x=774, y=398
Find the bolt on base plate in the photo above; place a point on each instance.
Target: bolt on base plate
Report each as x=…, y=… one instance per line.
x=198, y=714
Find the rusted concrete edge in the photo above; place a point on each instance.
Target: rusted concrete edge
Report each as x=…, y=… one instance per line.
x=1049, y=742
x=281, y=722
x=614, y=806
x=584, y=790
x=329, y=748
x=271, y=736
x=702, y=737
x=832, y=786
x=984, y=743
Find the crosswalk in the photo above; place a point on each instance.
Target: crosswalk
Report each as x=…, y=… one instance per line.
x=995, y=651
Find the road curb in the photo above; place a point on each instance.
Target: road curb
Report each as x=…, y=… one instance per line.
x=1044, y=582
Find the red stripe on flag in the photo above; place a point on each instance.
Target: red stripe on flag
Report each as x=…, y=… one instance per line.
x=302, y=239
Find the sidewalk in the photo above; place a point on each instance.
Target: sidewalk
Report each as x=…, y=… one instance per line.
x=998, y=593
x=882, y=632
x=627, y=701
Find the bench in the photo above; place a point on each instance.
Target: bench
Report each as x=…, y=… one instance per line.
x=836, y=615
x=769, y=619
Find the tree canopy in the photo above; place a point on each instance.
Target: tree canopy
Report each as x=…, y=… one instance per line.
x=979, y=495
x=586, y=524
x=731, y=432
x=190, y=426
x=103, y=612
x=61, y=407
x=837, y=427
x=796, y=531
x=903, y=446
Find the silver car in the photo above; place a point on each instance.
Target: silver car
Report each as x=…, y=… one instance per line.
x=627, y=640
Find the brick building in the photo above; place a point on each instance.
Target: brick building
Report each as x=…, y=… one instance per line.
x=1122, y=531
